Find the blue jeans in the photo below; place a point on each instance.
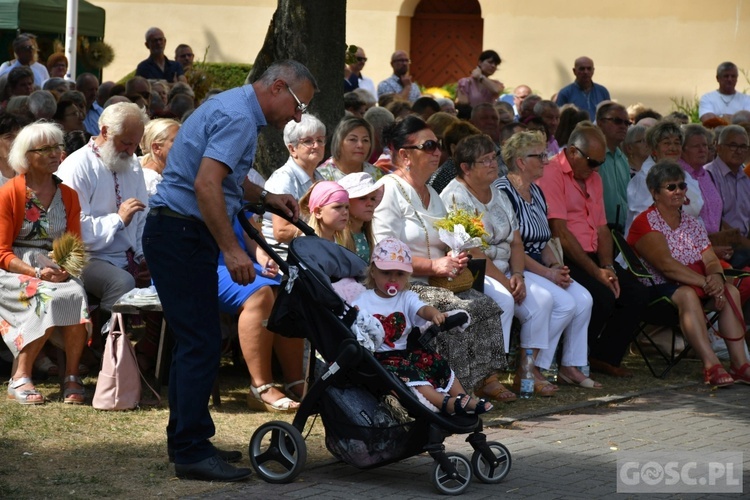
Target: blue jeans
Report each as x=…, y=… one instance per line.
x=182, y=256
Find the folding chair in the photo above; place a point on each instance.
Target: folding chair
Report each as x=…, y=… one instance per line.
x=660, y=312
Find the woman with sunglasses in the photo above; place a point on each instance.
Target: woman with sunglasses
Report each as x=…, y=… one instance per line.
x=351, y=146
x=676, y=249
x=37, y=296
x=408, y=211
x=566, y=303
x=665, y=141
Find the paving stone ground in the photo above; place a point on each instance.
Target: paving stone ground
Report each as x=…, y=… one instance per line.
x=571, y=455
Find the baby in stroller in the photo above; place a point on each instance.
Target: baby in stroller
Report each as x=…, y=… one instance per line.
x=388, y=299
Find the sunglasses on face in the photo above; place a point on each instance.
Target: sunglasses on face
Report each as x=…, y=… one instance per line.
x=362, y=59
x=672, y=186
x=427, y=146
x=591, y=162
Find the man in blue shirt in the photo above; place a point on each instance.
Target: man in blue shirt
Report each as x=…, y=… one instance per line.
x=583, y=92
x=157, y=66
x=205, y=181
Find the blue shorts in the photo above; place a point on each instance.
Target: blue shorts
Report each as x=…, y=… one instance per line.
x=232, y=295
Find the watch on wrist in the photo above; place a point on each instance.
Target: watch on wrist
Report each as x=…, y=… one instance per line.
x=263, y=195
x=610, y=267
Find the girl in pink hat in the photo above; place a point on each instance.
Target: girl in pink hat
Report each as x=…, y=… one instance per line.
x=388, y=299
x=327, y=204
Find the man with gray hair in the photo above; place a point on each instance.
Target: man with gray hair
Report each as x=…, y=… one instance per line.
x=157, y=66
x=190, y=222
x=25, y=50
x=733, y=184
x=725, y=101
x=109, y=181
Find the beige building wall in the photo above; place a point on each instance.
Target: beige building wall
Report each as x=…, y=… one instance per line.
x=643, y=50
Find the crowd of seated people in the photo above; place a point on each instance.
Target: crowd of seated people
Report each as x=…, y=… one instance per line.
x=569, y=167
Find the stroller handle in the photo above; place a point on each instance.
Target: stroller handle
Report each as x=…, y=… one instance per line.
x=255, y=235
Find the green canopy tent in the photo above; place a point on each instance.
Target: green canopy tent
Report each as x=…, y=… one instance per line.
x=46, y=19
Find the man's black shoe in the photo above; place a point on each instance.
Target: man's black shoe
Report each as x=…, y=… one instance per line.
x=229, y=456
x=211, y=469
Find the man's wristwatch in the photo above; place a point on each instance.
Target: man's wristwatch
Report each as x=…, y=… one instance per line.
x=263, y=195
x=610, y=267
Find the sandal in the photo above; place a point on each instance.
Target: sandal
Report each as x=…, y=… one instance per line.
x=72, y=395
x=494, y=390
x=22, y=396
x=717, y=376
x=459, y=405
x=740, y=375
x=288, y=388
x=586, y=383
x=281, y=405
x=45, y=367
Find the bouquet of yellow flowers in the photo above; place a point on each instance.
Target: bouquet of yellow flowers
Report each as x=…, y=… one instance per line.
x=462, y=229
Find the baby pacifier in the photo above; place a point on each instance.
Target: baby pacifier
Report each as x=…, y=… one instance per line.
x=391, y=289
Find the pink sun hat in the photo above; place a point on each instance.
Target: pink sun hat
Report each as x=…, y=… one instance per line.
x=392, y=254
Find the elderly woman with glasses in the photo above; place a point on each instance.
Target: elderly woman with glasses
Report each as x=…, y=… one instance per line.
x=567, y=303
x=408, y=211
x=351, y=146
x=665, y=142
x=306, y=142
x=685, y=269
x=37, y=296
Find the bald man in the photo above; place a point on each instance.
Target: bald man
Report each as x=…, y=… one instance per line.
x=583, y=92
x=400, y=81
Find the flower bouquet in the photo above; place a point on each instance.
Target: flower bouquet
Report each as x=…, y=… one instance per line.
x=461, y=230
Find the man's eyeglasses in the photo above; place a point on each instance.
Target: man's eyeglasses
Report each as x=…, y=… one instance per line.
x=592, y=163
x=671, y=187
x=45, y=150
x=427, y=146
x=301, y=107
x=309, y=143
x=403, y=61
x=543, y=157
x=742, y=148
x=487, y=162
x=617, y=121
x=362, y=59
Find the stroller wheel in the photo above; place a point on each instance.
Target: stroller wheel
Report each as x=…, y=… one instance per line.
x=277, y=452
x=491, y=471
x=447, y=484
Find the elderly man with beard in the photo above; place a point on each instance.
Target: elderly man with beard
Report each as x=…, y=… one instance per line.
x=109, y=181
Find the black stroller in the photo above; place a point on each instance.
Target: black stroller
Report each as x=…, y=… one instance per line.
x=351, y=391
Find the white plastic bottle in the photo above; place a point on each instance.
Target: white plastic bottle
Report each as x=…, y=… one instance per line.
x=527, y=375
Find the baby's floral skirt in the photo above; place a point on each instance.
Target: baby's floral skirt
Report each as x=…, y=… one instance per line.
x=418, y=367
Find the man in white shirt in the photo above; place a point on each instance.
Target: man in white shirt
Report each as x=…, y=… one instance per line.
x=25, y=50
x=725, y=101
x=109, y=181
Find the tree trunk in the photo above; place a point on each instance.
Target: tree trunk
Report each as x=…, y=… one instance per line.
x=312, y=32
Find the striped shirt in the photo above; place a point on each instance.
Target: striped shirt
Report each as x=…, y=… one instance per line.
x=532, y=217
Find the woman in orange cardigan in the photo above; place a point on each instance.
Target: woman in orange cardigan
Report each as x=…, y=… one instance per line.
x=35, y=295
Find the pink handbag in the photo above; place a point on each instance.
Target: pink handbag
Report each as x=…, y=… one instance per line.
x=118, y=386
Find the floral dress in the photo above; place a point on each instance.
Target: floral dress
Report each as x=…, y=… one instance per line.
x=29, y=306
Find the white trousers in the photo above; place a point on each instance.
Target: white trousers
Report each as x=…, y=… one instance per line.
x=545, y=313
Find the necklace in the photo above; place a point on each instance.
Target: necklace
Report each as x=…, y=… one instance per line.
x=416, y=212
x=726, y=103
x=520, y=187
x=477, y=195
